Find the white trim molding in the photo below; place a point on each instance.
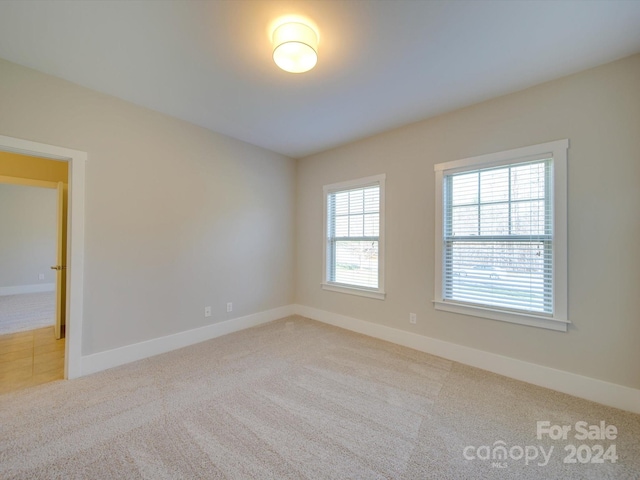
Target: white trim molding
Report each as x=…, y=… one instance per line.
x=138, y=351
x=363, y=292
x=606, y=393
x=35, y=288
x=520, y=318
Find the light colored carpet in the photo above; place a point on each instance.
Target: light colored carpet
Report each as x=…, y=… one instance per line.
x=27, y=311
x=293, y=399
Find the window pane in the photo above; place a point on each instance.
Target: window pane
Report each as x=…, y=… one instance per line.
x=527, y=218
x=342, y=226
x=464, y=221
x=356, y=263
x=356, y=201
x=341, y=201
x=353, y=215
x=356, y=225
x=494, y=185
x=505, y=274
x=494, y=219
x=494, y=269
x=372, y=225
x=464, y=188
x=372, y=199
x=527, y=181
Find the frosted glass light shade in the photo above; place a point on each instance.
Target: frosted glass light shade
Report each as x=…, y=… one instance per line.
x=295, y=47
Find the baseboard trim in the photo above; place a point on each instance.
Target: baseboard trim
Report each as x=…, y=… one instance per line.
x=138, y=351
x=35, y=288
x=599, y=391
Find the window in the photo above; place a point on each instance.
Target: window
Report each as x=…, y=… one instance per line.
x=501, y=236
x=354, y=237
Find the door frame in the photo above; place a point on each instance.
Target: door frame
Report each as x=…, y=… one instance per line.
x=75, y=240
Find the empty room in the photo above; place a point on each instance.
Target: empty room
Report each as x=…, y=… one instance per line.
x=349, y=239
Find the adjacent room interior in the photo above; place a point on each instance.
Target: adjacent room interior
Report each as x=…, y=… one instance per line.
x=415, y=259
x=32, y=212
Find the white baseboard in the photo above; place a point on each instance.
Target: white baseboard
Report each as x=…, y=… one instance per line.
x=606, y=393
x=36, y=288
x=130, y=353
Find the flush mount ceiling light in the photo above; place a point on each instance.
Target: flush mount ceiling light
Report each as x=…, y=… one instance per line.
x=295, y=47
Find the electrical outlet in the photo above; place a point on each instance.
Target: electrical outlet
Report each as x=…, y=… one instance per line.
x=41, y=276
x=229, y=307
x=207, y=311
x=412, y=318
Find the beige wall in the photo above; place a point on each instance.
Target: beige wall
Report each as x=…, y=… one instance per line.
x=177, y=217
x=28, y=225
x=599, y=112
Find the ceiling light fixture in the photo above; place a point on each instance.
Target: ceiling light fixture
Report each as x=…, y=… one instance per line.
x=295, y=47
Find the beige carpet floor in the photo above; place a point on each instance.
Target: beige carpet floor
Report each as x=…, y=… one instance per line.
x=26, y=311
x=296, y=399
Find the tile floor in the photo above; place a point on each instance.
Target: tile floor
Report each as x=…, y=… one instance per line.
x=30, y=358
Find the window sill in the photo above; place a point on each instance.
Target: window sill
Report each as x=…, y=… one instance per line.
x=531, y=320
x=362, y=292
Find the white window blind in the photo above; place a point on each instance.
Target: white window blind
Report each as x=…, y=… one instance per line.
x=354, y=237
x=353, y=231
x=498, y=237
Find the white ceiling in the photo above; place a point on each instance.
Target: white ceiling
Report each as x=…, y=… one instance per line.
x=382, y=64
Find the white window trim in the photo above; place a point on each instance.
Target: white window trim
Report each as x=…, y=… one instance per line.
x=558, y=150
x=377, y=293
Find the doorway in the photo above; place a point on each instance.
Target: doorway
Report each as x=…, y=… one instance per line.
x=72, y=285
x=32, y=294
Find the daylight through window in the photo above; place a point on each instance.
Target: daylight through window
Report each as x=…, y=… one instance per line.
x=501, y=236
x=498, y=237
x=353, y=234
